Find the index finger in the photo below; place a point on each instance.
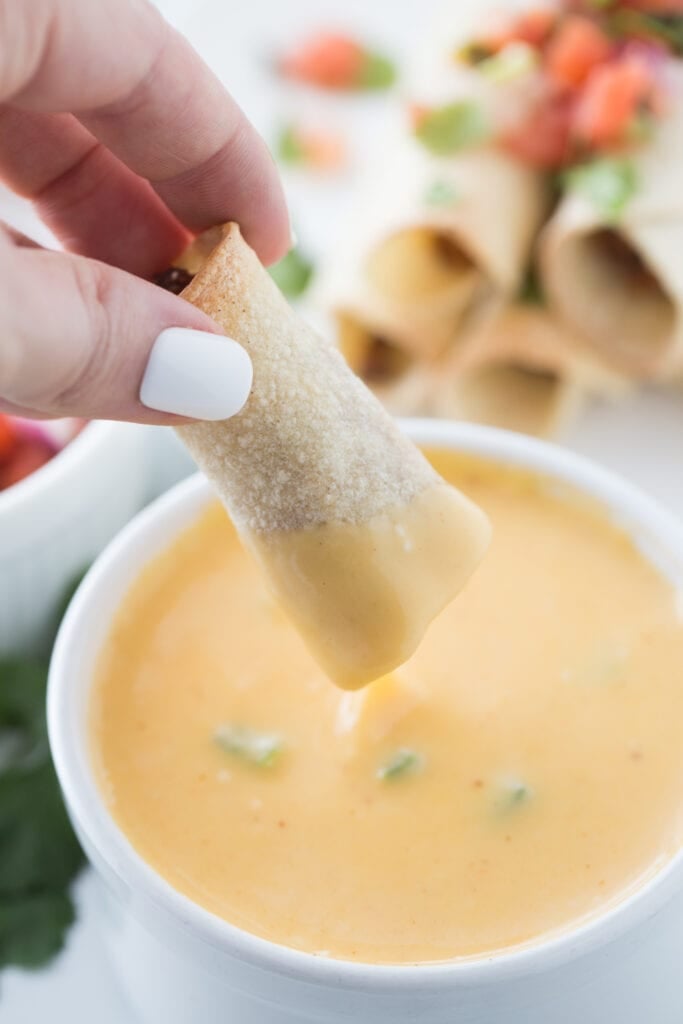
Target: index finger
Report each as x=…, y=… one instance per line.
x=145, y=93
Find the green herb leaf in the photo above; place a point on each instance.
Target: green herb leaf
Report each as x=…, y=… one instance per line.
x=608, y=183
x=39, y=853
x=454, y=127
x=402, y=763
x=258, y=748
x=513, y=794
x=33, y=928
x=292, y=274
x=441, y=193
x=514, y=61
x=377, y=72
x=288, y=148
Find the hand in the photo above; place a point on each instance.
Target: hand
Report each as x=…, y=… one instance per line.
x=127, y=144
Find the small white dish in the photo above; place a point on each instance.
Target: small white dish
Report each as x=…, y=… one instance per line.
x=180, y=964
x=55, y=521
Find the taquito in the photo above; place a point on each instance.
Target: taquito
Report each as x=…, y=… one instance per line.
x=362, y=541
x=519, y=369
x=618, y=281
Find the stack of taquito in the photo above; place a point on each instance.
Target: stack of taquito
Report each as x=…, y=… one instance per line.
x=469, y=286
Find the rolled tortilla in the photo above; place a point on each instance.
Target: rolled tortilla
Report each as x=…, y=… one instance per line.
x=620, y=285
x=362, y=541
x=404, y=384
x=520, y=369
x=429, y=236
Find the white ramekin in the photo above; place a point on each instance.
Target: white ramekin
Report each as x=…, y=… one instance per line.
x=53, y=523
x=182, y=965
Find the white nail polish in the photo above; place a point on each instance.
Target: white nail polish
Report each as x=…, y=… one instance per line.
x=197, y=374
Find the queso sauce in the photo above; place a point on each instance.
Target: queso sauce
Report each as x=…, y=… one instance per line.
x=520, y=772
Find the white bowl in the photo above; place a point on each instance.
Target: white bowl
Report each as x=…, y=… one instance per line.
x=181, y=964
x=55, y=521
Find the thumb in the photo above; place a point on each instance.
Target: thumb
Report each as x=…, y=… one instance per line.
x=81, y=338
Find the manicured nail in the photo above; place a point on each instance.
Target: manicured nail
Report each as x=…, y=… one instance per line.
x=197, y=374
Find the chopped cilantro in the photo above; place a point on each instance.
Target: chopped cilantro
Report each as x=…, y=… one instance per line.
x=292, y=274
x=608, y=183
x=377, y=72
x=441, y=193
x=514, y=61
x=456, y=126
x=288, y=148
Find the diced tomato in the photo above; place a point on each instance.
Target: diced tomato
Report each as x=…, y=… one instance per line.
x=532, y=27
x=28, y=456
x=417, y=112
x=613, y=97
x=7, y=437
x=576, y=49
x=324, y=152
x=329, y=60
x=544, y=138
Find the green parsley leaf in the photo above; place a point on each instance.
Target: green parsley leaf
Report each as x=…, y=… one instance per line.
x=292, y=274
x=377, y=72
x=33, y=928
x=454, y=127
x=258, y=748
x=402, y=763
x=441, y=193
x=608, y=183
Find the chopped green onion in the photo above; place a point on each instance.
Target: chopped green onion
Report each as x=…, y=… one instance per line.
x=377, y=72
x=292, y=274
x=441, y=193
x=403, y=762
x=258, y=748
x=514, y=61
x=454, y=127
x=609, y=184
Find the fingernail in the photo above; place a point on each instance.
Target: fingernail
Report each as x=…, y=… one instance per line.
x=197, y=374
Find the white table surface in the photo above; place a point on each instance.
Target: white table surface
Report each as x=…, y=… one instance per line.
x=640, y=437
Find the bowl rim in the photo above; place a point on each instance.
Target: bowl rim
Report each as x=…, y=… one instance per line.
x=634, y=906
x=35, y=486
